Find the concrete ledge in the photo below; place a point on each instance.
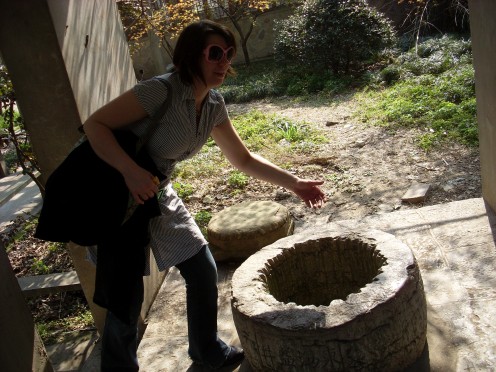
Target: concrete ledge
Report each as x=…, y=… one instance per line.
x=39, y=285
x=12, y=184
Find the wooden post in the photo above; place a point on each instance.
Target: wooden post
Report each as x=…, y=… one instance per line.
x=21, y=349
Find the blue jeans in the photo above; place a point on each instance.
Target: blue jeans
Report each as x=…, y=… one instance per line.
x=120, y=340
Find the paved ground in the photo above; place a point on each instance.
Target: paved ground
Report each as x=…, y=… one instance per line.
x=455, y=247
x=19, y=196
x=454, y=244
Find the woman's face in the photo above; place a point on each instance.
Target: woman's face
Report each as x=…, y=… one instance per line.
x=215, y=61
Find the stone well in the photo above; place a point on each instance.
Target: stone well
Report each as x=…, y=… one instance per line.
x=333, y=300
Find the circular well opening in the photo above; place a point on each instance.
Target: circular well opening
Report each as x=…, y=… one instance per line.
x=317, y=272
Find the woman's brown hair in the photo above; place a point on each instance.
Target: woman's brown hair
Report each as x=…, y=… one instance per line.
x=190, y=44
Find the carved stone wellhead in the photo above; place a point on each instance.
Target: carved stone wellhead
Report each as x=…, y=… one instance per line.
x=333, y=300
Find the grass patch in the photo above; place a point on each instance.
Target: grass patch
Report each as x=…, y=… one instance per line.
x=266, y=134
x=53, y=331
x=183, y=190
x=261, y=131
x=265, y=79
x=431, y=87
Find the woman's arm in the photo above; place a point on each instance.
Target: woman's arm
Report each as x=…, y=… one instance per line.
x=231, y=145
x=118, y=113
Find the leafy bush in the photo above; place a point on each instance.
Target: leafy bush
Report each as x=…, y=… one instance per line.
x=336, y=35
x=11, y=160
x=390, y=74
x=435, y=55
x=237, y=179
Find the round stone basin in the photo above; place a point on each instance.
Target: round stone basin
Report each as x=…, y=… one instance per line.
x=333, y=300
x=238, y=231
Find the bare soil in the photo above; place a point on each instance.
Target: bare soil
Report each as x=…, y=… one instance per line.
x=366, y=170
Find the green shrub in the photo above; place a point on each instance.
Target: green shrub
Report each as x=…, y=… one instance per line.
x=237, y=179
x=435, y=55
x=183, y=190
x=203, y=217
x=336, y=35
x=390, y=74
x=289, y=131
x=11, y=160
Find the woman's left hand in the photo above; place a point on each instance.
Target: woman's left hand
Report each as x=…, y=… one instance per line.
x=310, y=193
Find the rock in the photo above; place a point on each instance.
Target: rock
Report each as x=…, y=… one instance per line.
x=448, y=188
x=207, y=199
x=384, y=208
x=282, y=195
x=331, y=123
x=360, y=143
x=416, y=193
x=240, y=230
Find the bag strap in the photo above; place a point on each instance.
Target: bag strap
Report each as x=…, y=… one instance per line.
x=155, y=119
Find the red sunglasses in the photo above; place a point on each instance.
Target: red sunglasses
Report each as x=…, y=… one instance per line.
x=215, y=53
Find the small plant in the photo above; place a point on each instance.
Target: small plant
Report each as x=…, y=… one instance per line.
x=289, y=131
x=39, y=267
x=237, y=179
x=21, y=232
x=183, y=190
x=56, y=247
x=202, y=218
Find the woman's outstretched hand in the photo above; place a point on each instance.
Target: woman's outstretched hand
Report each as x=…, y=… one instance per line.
x=310, y=193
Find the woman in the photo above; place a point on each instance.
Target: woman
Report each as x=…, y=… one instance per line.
x=202, y=59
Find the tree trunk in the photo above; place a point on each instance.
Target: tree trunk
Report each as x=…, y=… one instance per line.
x=243, y=38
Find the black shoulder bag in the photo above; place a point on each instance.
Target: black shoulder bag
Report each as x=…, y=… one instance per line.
x=86, y=199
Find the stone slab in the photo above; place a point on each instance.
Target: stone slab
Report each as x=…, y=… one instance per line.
x=79, y=345
x=11, y=184
x=38, y=285
x=416, y=193
x=24, y=203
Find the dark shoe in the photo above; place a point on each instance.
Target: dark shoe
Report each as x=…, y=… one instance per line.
x=233, y=359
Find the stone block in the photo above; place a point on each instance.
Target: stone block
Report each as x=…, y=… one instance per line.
x=241, y=230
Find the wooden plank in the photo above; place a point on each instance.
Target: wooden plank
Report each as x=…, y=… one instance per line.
x=38, y=285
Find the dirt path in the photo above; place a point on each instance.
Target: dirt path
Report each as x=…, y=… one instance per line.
x=368, y=169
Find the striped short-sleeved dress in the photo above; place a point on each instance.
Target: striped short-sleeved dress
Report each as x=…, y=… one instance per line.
x=174, y=235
